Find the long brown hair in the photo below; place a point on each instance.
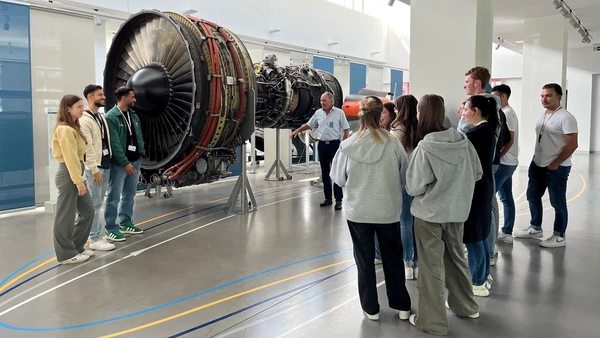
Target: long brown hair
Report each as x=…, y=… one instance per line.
x=407, y=121
x=370, y=113
x=64, y=117
x=431, y=115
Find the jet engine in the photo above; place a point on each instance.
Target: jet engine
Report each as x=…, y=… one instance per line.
x=194, y=84
x=289, y=96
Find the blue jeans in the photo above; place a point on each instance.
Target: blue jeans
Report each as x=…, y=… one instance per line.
x=479, y=261
x=504, y=189
x=406, y=232
x=121, y=191
x=556, y=182
x=97, y=193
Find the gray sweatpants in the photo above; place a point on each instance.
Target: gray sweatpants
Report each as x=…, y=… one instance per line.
x=73, y=217
x=442, y=262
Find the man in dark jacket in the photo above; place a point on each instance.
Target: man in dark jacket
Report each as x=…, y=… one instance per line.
x=127, y=144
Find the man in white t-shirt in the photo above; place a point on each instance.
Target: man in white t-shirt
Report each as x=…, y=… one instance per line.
x=509, y=160
x=556, y=140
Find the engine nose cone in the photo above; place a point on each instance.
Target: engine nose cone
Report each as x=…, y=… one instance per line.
x=151, y=87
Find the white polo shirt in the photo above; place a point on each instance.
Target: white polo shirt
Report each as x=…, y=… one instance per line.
x=552, y=141
x=512, y=156
x=331, y=126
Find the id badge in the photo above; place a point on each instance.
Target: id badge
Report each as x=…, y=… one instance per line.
x=131, y=148
x=331, y=124
x=104, y=152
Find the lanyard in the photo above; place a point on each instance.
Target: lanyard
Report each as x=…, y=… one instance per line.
x=128, y=122
x=545, y=122
x=98, y=120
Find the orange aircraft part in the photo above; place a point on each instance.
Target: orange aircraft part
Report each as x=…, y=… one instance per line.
x=351, y=105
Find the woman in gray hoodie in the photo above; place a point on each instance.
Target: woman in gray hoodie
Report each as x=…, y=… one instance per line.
x=441, y=177
x=363, y=167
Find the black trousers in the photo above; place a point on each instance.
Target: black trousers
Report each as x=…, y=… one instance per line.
x=327, y=152
x=390, y=244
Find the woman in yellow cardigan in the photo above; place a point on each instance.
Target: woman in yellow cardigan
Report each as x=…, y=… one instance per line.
x=68, y=148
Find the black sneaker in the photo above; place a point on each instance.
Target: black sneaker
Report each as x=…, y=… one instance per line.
x=326, y=203
x=338, y=205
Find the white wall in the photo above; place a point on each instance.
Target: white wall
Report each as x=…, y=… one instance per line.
x=375, y=77
x=579, y=103
x=583, y=64
x=595, y=123
x=443, y=47
x=62, y=61
x=341, y=71
x=302, y=24
x=506, y=64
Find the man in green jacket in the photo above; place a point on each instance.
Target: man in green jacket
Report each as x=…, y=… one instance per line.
x=127, y=145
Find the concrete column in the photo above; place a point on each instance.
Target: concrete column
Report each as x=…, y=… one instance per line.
x=544, y=61
x=447, y=39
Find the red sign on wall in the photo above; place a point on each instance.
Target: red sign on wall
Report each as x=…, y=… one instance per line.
x=405, y=88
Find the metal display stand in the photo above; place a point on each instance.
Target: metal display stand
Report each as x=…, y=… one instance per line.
x=158, y=184
x=318, y=183
x=277, y=165
x=253, y=153
x=243, y=191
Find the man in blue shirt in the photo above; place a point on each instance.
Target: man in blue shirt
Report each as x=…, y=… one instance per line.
x=333, y=128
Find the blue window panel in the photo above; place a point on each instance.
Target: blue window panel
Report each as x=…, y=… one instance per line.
x=358, y=77
x=16, y=124
x=397, y=82
x=322, y=63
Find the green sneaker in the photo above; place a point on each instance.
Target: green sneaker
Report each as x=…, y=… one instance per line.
x=131, y=229
x=115, y=236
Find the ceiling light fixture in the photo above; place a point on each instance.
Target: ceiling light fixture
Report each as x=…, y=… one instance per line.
x=499, y=42
x=568, y=13
x=557, y=4
x=575, y=23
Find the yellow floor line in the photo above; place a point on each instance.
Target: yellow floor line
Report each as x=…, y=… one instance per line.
x=237, y=295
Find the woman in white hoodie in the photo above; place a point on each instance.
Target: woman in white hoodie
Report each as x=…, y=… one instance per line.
x=363, y=167
x=441, y=177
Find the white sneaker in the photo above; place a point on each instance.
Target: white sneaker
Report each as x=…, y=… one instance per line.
x=102, y=245
x=473, y=316
x=416, y=272
x=88, y=253
x=372, y=317
x=554, y=242
x=409, y=273
x=488, y=283
x=493, y=260
x=529, y=233
x=413, y=320
x=404, y=315
x=77, y=259
x=504, y=238
x=480, y=291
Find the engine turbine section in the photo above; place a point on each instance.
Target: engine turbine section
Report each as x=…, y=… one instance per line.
x=194, y=84
x=289, y=96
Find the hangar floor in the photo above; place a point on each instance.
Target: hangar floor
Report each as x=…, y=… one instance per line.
x=285, y=270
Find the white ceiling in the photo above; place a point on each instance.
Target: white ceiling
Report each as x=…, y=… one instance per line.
x=510, y=15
